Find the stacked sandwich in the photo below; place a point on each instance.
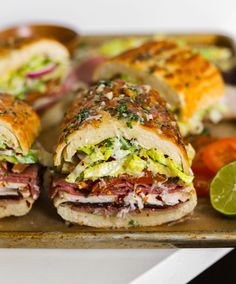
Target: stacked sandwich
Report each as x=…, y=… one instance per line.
x=121, y=160
x=32, y=76
x=19, y=161
x=34, y=70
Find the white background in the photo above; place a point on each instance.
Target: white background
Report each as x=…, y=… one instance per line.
x=125, y=15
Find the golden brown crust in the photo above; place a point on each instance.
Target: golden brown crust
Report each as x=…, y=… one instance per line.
x=20, y=119
x=195, y=81
x=17, y=44
x=17, y=53
x=113, y=105
x=13, y=207
x=134, y=104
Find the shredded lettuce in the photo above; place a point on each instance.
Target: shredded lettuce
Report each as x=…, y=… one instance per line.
x=112, y=168
x=2, y=146
x=17, y=83
x=116, y=46
x=134, y=165
x=12, y=157
x=166, y=161
x=30, y=158
x=118, y=155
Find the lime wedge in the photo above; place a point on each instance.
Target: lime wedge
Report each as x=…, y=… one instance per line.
x=223, y=190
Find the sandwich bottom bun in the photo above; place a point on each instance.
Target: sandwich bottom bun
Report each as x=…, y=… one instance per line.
x=144, y=218
x=15, y=207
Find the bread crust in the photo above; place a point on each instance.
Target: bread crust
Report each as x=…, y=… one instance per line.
x=15, y=54
x=160, y=131
x=19, y=118
x=185, y=78
x=144, y=218
x=15, y=207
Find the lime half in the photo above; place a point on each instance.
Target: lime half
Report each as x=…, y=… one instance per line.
x=223, y=190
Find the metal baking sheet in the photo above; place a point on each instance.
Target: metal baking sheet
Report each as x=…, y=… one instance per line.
x=43, y=228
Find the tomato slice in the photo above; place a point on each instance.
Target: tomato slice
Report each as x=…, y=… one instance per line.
x=199, y=167
x=202, y=174
x=219, y=153
x=202, y=186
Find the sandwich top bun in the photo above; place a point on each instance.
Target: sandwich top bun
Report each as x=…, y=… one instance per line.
x=19, y=124
x=18, y=53
x=188, y=81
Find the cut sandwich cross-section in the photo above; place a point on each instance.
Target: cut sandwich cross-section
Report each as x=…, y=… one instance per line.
x=19, y=159
x=33, y=70
x=120, y=157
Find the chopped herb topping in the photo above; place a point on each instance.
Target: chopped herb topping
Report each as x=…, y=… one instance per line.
x=123, y=111
x=159, y=123
x=122, y=108
x=133, y=222
x=129, y=124
x=108, y=143
x=84, y=114
x=134, y=117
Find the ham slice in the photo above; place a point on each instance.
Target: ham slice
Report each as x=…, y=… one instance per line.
x=28, y=180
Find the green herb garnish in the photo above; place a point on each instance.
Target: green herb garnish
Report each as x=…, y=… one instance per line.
x=129, y=124
x=107, y=83
x=133, y=222
x=84, y=114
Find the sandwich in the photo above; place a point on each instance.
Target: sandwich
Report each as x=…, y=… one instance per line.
x=19, y=168
x=192, y=86
x=33, y=70
x=120, y=160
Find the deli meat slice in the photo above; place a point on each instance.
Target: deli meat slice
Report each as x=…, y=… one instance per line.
x=121, y=185
x=28, y=180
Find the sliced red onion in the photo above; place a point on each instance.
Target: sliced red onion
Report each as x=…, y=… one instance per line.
x=6, y=152
x=39, y=73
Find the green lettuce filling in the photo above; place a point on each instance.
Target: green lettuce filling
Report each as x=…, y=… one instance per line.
x=12, y=157
x=116, y=46
x=116, y=156
x=18, y=84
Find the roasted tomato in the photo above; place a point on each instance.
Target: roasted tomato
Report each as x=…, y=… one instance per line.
x=202, y=173
x=219, y=153
x=199, y=167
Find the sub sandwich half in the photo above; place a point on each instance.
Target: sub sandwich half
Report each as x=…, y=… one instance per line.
x=191, y=85
x=19, y=168
x=121, y=160
x=33, y=70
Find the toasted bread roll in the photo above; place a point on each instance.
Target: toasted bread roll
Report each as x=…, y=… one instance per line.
x=15, y=207
x=141, y=219
x=19, y=169
x=19, y=124
x=189, y=83
x=120, y=157
x=33, y=70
